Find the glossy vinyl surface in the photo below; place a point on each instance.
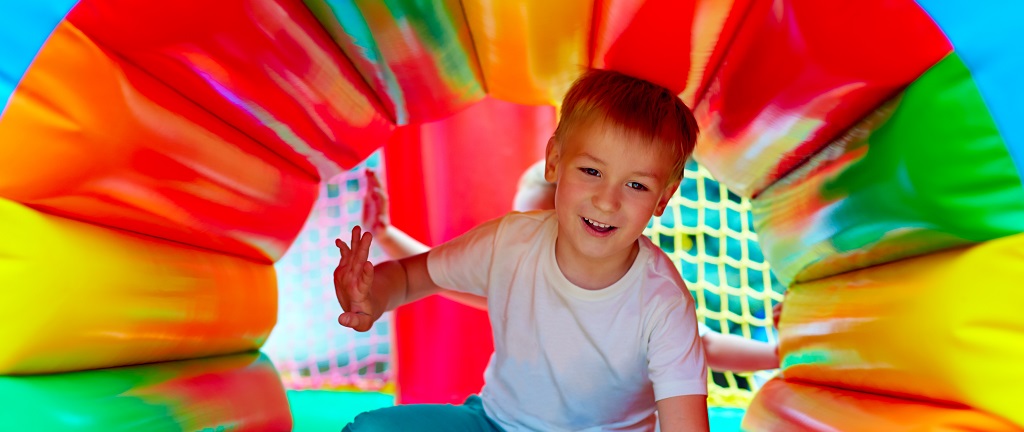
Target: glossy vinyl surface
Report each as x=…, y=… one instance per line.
x=266, y=67
x=236, y=392
x=699, y=31
x=783, y=406
x=791, y=81
x=530, y=51
x=417, y=56
x=78, y=296
x=943, y=327
x=209, y=123
x=90, y=136
x=926, y=172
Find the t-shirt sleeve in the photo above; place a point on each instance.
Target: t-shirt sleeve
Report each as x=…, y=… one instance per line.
x=676, y=362
x=463, y=263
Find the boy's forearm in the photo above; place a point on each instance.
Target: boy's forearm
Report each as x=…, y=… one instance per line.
x=396, y=283
x=390, y=284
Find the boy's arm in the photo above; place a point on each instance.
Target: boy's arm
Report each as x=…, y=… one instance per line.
x=397, y=244
x=683, y=413
x=728, y=352
x=406, y=281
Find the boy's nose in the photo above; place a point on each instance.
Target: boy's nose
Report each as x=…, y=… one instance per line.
x=607, y=199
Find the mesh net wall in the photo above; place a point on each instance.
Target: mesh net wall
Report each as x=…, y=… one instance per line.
x=308, y=347
x=709, y=233
x=707, y=230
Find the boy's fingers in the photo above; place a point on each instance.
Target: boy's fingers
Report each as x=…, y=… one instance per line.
x=346, y=253
x=354, y=267
x=357, y=231
x=367, y=276
x=358, y=321
x=343, y=263
x=357, y=292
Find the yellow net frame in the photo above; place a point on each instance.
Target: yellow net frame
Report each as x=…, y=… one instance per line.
x=708, y=232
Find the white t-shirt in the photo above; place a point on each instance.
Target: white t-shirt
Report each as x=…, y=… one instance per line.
x=567, y=358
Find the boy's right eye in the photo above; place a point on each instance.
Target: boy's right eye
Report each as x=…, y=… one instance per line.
x=590, y=171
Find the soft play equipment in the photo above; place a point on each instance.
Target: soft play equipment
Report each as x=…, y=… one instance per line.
x=158, y=159
x=241, y=391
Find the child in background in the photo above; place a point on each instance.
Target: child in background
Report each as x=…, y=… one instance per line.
x=725, y=352
x=593, y=326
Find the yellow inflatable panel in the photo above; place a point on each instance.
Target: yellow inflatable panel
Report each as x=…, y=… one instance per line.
x=786, y=406
x=79, y=296
x=944, y=327
x=530, y=51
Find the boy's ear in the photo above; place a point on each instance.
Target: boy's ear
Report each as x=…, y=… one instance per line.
x=551, y=156
x=666, y=195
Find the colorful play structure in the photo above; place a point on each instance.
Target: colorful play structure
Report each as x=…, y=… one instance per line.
x=158, y=160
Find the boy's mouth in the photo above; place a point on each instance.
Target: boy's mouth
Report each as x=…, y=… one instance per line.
x=598, y=226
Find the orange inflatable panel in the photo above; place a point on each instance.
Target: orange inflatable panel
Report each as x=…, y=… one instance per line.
x=787, y=406
x=530, y=51
x=90, y=136
x=80, y=296
x=266, y=67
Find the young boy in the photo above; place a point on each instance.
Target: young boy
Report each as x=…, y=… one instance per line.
x=593, y=327
x=724, y=352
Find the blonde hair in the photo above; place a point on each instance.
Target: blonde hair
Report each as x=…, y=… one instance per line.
x=645, y=111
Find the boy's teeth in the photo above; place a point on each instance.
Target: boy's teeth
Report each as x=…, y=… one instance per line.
x=597, y=224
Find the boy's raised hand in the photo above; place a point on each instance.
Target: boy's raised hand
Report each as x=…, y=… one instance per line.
x=352, y=281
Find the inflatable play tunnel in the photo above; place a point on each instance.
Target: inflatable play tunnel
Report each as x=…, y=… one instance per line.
x=156, y=160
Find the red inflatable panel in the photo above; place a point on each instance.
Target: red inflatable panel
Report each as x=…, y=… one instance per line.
x=93, y=138
x=266, y=67
x=443, y=347
x=799, y=73
x=699, y=31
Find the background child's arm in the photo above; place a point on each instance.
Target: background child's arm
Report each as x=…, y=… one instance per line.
x=684, y=413
x=728, y=352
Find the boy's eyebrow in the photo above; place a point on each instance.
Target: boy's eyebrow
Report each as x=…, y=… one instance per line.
x=636, y=173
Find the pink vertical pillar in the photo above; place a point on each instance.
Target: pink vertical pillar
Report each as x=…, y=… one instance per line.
x=444, y=178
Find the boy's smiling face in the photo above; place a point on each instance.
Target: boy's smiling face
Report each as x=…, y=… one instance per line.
x=609, y=186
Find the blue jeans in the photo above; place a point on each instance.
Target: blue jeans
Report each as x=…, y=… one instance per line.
x=468, y=417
